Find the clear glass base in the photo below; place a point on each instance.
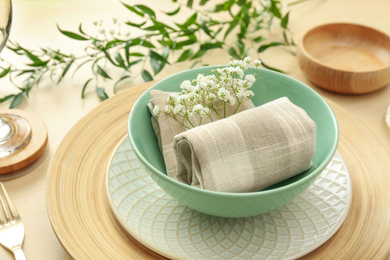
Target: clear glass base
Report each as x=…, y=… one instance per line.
x=15, y=132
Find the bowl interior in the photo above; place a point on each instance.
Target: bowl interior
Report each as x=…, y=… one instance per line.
x=348, y=47
x=270, y=86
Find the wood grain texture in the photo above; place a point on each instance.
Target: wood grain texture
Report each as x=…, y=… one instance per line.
x=345, y=58
x=81, y=217
x=32, y=150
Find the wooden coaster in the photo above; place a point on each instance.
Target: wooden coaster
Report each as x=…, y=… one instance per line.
x=32, y=150
x=82, y=219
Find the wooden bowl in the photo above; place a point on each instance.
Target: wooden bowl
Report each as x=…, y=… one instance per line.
x=345, y=58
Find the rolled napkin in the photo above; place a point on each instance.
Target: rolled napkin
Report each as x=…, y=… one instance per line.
x=165, y=127
x=248, y=151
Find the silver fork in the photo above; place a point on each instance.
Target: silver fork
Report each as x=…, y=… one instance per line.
x=11, y=226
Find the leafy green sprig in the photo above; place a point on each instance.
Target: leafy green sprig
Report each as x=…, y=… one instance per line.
x=236, y=26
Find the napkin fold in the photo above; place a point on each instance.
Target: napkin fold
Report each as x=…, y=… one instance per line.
x=247, y=151
x=166, y=128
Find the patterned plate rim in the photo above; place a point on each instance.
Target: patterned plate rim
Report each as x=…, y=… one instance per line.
x=170, y=255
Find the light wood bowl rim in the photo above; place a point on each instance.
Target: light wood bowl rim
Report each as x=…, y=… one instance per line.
x=308, y=55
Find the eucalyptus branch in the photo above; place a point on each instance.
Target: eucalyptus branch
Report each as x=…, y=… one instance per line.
x=236, y=26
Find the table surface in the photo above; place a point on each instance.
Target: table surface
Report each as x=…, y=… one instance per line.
x=60, y=107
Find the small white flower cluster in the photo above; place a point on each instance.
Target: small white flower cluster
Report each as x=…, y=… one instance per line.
x=211, y=93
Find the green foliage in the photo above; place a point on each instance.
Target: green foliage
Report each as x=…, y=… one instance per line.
x=245, y=26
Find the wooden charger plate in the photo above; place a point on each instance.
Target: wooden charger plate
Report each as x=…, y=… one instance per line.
x=82, y=219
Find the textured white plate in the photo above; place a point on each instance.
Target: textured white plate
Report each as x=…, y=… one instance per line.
x=159, y=222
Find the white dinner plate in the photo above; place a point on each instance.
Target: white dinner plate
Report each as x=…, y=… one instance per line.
x=162, y=224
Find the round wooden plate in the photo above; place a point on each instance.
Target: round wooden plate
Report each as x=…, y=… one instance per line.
x=29, y=153
x=82, y=219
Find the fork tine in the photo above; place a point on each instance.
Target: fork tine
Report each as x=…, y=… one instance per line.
x=8, y=205
x=3, y=212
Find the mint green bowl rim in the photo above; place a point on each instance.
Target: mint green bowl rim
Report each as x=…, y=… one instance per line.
x=274, y=191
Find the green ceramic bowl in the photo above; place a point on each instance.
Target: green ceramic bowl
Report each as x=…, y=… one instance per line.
x=270, y=86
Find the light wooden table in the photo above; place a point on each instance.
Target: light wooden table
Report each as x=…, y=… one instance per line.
x=60, y=107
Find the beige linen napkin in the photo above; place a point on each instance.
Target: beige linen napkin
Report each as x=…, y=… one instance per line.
x=165, y=127
x=249, y=150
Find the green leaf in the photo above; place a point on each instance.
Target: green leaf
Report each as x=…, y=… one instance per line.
x=158, y=61
x=190, y=20
x=16, y=100
x=198, y=54
x=146, y=10
x=102, y=73
x=85, y=87
x=270, y=68
x=65, y=71
x=185, y=55
x=173, y=12
x=190, y=3
x=218, y=8
x=203, y=2
x=73, y=35
x=142, y=42
x=179, y=45
x=134, y=10
x=156, y=56
x=137, y=25
x=118, y=81
x=284, y=21
x=209, y=45
x=81, y=30
x=231, y=27
x=3, y=99
x=194, y=64
x=232, y=51
x=156, y=66
x=275, y=10
x=38, y=63
x=120, y=60
x=259, y=39
x=146, y=76
x=134, y=62
x=24, y=72
x=101, y=93
x=5, y=72
x=264, y=47
x=205, y=29
x=136, y=54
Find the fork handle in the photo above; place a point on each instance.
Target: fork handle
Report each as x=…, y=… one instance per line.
x=19, y=254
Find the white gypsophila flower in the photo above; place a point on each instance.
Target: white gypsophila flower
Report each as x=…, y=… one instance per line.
x=183, y=99
x=173, y=98
x=248, y=94
x=156, y=110
x=211, y=97
x=177, y=109
x=185, y=84
x=225, y=86
x=232, y=100
x=202, y=85
x=191, y=95
x=223, y=94
x=168, y=109
x=197, y=108
x=240, y=72
x=250, y=78
x=205, y=112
